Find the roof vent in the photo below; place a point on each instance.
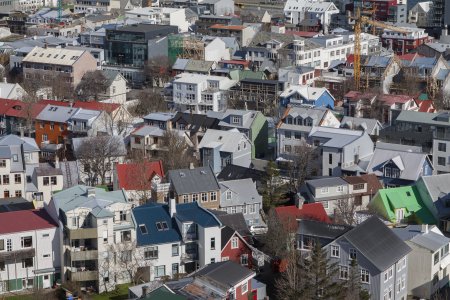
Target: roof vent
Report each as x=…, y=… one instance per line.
x=203, y=172
x=182, y=174
x=91, y=191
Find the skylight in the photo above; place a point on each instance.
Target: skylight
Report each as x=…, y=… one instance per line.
x=162, y=226
x=143, y=228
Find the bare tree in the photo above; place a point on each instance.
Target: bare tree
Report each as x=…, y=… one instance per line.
x=345, y=211
x=291, y=284
x=280, y=237
x=149, y=101
x=97, y=155
x=271, y=188
x=177, y=154
x=158, y=70
x=299, y=167
x=91, y=86
x=441, y=100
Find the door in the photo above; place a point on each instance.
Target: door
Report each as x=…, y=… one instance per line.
x=399, y=214
x=46, y=282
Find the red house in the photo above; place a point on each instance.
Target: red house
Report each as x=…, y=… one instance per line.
x=235, y=248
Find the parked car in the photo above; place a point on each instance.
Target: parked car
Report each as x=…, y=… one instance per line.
x=258, y=229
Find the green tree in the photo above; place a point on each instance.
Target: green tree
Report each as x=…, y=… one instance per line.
x=271, y=192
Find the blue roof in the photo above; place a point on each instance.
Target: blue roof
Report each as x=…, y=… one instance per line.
x=192, y=212
x=424, y=62
x=149, y=215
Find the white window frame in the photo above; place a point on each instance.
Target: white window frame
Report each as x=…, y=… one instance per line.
x=244, y=288
x=234, y=243
x=335, y=251
x=365, y=272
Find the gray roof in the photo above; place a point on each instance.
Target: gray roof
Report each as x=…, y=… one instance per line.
x=226, y=274
x=423, y=117
x=398, y=147
x=53, y=113
x=326, y=182
x=29, y=144
x=47, y=171
x=159, y=116
x=110, y=75
x=409, y=163
x=378, y=61
x=338, y=137
x=243, y=191
x=235, y=221
x=226, y=140
x=248, y=117
x=194, y=65
x=148, y=130
x=321, y=229
x=180, y=64
x=377, y=243
x=188, y=181
x=367, y=125
x=438, y=189
x=428, y=239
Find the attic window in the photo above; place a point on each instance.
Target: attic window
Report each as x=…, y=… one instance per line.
x=408, y=194
x=162, y=226
x=143, y=228
x=74, y=57
x=62, y=57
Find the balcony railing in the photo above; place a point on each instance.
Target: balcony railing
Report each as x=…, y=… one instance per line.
x=81, y=233
x=78, y=274
x=189, y=256
x=82, y=255
x=17, y=254
x=78, y=128
x=190, y=236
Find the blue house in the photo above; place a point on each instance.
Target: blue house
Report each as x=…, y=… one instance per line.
x=303, y=94
x=399, y=167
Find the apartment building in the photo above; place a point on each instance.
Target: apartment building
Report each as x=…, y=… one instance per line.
x=201, y=93
x=94, y=225
x=161, y=16
x=29, y=250
x=68, y=65
x=402, y=43
x=95, y=6
x=297, y=11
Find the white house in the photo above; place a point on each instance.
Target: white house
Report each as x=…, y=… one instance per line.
x=161, y=16
x=296, y=11
x=29, y=250
x=11, y=91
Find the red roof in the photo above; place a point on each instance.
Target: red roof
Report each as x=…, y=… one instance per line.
x=127, y=174
x=236, y=62
x=426, y=106
x=93, y=105
x=311, y=211
x=350, y=59
x=20, y=109
x=392, y=99
x=25, y=220
x=409, y=56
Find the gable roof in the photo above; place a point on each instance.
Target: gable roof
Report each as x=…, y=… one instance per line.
x=92, y=105
x=29, y=144
x=227, y=274
x=29, y=220
x=226, y=140
x=338, y=137
x=196, y=122
x=431, y=238
x=377, y=243
x=127, y=173
x=248, y=117
x=243, y=191
x=321, y=229
x=148, y=215
x=188, y=181
x=360, y=123
x=233, y=172
x=56, y=113
x=193, y=212
x=310, y=211
x=316, y=114
x=235, y=221
x=305, y=91
x=59, y=56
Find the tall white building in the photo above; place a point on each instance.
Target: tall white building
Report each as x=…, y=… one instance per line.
x=161, y=16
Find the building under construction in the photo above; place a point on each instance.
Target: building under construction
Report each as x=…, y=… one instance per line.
x=186, y=46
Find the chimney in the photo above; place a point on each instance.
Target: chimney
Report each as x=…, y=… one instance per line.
x=191, y=165
x=299, y=200
x=5, y=80
x=172, y=207
x=91, y=191
x=57, y=162
x=144, y=291
x=445, y=30
x=424, y=228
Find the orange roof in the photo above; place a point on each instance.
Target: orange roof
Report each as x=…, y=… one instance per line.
x=311, y=211
x=128, y=174
x=228, y=27
x=426, y=106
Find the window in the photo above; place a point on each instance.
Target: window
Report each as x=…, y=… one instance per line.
x=6, y=194
x=122, y=215
x=244, y=288
x=398, y=285
x=244, y=259
x=340, y=188
x=53, y=180
x=143, y=229
x=18, y=193
x=365, y=277
x=287, y=134
x=403, y=281
x=436, y=257
x=228, y=195
x=358, y=186
x=151, y=252
x=125, y=236
x=213, y=243
x=160, y=271
x=2, y=266
x=435, y=278
x=2, y=163
x=61, y=127
x=8, y=245
x=213, y=196
x=175, y=269
x=324, y=190
x=46, y=181
x=330, y=158
x=45, y=235
x=297, y=135
x=334, y=251
x=236, y=120
x=15, y=158
x=17, y=178
x=441, y=161
x=352, y=254
x=287, y=148
x=5, y=179
x=2, y=245
x=27, y=242
x=175, y=250
x=204, y=197
x=386, y=277
x=442, y=147
x=234, y=243
x=213, y=260
x=44, y=138
x=185, y=198
x=27, y=263
x=194, y=197
x=391, y=272
x=444, y=250
x=343, y=272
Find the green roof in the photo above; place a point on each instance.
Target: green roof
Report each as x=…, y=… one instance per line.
x=247, y=74
x=406, y=197
x=423, y=97
x=163, y=293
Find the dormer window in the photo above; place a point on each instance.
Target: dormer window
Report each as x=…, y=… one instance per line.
x=235, y=120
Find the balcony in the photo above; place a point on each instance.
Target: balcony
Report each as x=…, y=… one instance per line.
x=17, y=255
x=187, y=257
x=78, y=128
x=81, y=233
x=78, y=274
x=77, y=254
x=190, y=237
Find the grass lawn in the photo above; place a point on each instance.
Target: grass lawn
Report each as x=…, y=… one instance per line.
x=120, y=293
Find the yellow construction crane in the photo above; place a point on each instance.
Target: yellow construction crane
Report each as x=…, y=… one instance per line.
x=360, y=20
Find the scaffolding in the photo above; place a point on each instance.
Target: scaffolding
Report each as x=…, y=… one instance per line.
x=185, y=46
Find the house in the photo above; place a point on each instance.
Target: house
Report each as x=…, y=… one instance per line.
x=177, y=238
x=30, y=256
x=219, y=148
x=220, y=280
x=87, y=122
x=297, y=75
x=250, y=122
x=381, y=256
x=296, y=11
x=341, y=150
x=311, y=231
x=11, y=91
x=111, y=152
x=96, y=223
x=147, y=139
x=233, y=172
x=402, y=204
x=116, y=90
x=402, y=43
x=235, y=248
x=67, y=65
x=160, y=15
x=429, y=256
x=43, y=182
x=397, y=167
x=241, y=196
x=17, y=117
x=159, y=119
x=371, y=126
x=295, y=126
x=329, y=191
x=289, y=215
x=297, y=95
x=378, y=72
x=195, y=185
x=243, y=34
x=234, y=221
x=421, y=14
x=200, y=93
x=137, y=179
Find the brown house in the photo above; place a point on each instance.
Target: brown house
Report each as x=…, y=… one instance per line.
x=195, y=185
